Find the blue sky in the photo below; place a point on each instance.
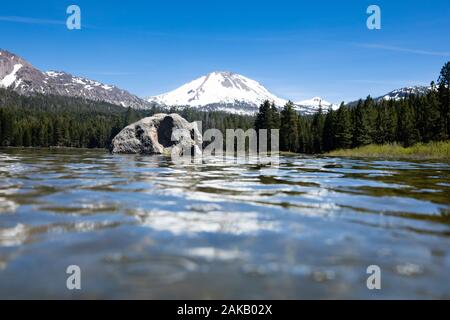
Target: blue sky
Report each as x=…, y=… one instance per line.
x=297, y=49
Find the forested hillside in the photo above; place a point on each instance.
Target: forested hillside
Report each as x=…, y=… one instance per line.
x=55, y=121
x=406, y=121
x=45, y=121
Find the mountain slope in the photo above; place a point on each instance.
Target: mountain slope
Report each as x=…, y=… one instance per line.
x=225, y=91
x=19, y=75
x=404, y=93
x=398, y=94
x=313, y=105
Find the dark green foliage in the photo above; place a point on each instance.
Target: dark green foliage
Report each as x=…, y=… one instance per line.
x=407, y=132
x=54, y=121
x=317, y=128
x=216, y=119
x=305, y=135
x=268, y=117
x=45, y=121
x=407, y=121
x=275, y=117
x=289, y=128
x=444, y=97
x=264, y=117
x=361, y=123
x=343, y=128
x=329, y=131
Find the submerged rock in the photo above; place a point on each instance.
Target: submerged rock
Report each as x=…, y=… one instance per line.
x=158, y=134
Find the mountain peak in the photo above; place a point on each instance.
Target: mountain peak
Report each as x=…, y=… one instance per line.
x=315, y=101
x=19, y=75
x=223, y=73
x=313, y=105
x=220, y=90
x=402, y=93
x=4, y=52
x=5, y=56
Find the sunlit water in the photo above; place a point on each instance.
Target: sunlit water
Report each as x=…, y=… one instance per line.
x=142, y=227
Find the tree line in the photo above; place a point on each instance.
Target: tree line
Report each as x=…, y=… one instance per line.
x=57, y=121
x=417, y=118
x=47, y=121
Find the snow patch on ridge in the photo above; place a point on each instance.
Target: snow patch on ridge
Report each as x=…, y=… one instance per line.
x=53, y=74
x=313, y=105
x=10, y=78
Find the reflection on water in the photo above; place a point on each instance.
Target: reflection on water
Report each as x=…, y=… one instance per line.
x=141, y=227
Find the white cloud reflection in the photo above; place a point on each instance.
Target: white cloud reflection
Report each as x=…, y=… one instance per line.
x=13, y=236
x=235, y=223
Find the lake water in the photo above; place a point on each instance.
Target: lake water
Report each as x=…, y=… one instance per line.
x=142, y=227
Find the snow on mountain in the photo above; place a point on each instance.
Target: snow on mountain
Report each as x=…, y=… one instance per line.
x=398, y=94
x=10, y=78
x=313, y=105
x=216, y=91
x=20, y=76
x=402, y=93
x=224, y=91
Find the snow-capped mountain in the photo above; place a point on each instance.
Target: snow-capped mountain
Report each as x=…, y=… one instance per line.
x=402, y=93
x=216, y=91
x=19, y=75
x=397, y=94
x=221, y=91
x=313, y=105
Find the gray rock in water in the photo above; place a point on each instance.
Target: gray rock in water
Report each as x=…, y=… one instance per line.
x=157, y=135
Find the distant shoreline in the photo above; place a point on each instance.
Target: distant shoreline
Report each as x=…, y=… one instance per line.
x=52, y=148
x=421, y=151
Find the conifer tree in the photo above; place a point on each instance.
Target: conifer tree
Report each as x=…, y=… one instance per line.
x=362, y=130
x=268, y=118
x=317, y=127
x=444, y=98
x=304, y=137
x=381, y=129
x=343, y=128
x=329, y=134
x=391, y=122
x=407, y=131
x=433, y=125
x=263, y=117
x=275, y=117
x=289, y=128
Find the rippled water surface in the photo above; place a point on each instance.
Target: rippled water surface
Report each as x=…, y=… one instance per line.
x=142, y=227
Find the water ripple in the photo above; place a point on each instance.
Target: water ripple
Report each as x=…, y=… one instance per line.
x=149, y=228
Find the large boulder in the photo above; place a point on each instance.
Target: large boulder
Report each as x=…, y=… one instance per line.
x=158, y=135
